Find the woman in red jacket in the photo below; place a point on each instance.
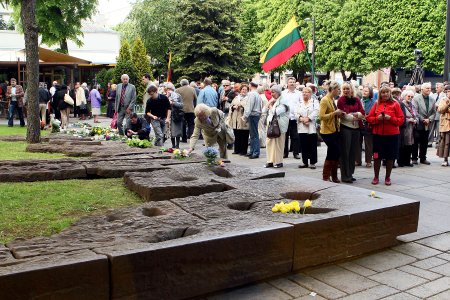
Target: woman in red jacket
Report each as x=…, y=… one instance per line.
x=386, y=116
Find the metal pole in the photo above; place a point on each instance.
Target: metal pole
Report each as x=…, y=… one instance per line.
x=447, y=44
x=313, y=55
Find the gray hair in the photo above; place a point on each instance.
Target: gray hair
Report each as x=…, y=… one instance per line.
x=276, y=89
x=170, y=86
x=184, y=82
x=202, y=109
x=124, y=76
x=439, y=84
x=207, y=81
x=426, y=85
x=260, y=90
x=406, y=93
x=193, y=84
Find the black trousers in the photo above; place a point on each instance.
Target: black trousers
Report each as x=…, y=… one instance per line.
x=333, y=148
x=404, y=157
x=420, y=147
x=241, y=141
x=188, y=126
x=308, y=143
x=292, y=132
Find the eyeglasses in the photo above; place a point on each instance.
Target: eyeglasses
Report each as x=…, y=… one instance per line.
x=226, y=85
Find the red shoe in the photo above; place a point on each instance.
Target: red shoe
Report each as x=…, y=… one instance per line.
x=375, y=181
x=387, y=181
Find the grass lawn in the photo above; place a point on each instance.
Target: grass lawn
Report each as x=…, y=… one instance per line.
x=17, y=130
x=16, y=150
x=45, y=208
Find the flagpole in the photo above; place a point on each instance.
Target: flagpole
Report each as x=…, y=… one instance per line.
x=312, y=68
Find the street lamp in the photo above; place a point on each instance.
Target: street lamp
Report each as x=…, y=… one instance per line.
x=313, y=54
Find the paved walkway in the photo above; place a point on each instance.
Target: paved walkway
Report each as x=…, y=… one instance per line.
x=419, y=268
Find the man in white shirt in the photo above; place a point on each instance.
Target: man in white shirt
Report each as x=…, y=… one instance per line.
x=294, y=97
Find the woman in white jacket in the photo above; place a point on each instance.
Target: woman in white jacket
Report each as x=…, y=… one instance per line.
x=306, y=115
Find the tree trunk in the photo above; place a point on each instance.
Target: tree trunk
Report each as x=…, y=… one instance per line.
x=63, y=46
x=30, y=29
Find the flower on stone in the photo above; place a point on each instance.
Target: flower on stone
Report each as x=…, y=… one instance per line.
x=372, y=194
x=307, y=203
x=176, y=152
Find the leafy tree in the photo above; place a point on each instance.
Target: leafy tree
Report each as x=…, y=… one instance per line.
x=60, y=20
x=141, y=64
x=124, y=64
x=31, y=30
x=6, y=25
x=211, y=46
x=154, y=21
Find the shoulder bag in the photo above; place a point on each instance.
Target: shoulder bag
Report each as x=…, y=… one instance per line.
x=273, y=130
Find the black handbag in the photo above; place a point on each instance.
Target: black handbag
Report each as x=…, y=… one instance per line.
x=273, y=130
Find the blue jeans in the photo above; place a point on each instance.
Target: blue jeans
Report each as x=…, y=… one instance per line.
x=254, y=135
x=12, y=107
x=159, y=127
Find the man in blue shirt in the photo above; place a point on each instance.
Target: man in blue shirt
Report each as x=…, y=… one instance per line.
x=208, y=95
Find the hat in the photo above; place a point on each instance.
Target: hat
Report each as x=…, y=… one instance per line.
x=254, y=84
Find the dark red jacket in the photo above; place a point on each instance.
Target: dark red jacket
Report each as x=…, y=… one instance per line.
x=386, y=127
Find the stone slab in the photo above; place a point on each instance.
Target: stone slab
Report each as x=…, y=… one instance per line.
x=401, y=296
x=373, y=293
x=357, y=269
x=80, y=275
x=420, y=272
x=416, y=250
x=211, y=260
x=261, y=291
x=429, y=263
x=442, y=269
x=289, y=287
x=40, y=170
x=441, y=296
x=431, y=288
x=342, y=279
x=385, y=260
x=314, y=285
x=398, y=279
x=154, y=187
x=440, y=242
x=152, y=222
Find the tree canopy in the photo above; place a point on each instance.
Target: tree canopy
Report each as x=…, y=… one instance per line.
x=353, y=35
x=61, y=20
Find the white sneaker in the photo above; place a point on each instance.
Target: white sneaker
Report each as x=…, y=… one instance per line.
x=312, y=166
x=445, y=164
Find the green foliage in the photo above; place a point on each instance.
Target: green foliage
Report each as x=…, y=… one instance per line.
x=136, y=142
x=6, y=25
x=142, y=66
x=125, y=64
x=155, y=22
x=45, y=208
x=60, y=20
x=211, y=46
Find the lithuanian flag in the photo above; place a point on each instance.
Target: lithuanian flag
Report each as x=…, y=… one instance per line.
x=287, y=43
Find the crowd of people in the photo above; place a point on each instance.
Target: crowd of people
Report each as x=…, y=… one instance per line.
x=390, y=125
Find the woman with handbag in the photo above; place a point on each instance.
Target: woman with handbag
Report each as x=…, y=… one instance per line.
x=407, y=135
x=329, y=131
x=65, y=103
x=306, y=115
x=276, y=114
x=175, y=130
x=240, y=127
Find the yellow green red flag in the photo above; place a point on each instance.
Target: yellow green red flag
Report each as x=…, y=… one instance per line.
x=287, y=43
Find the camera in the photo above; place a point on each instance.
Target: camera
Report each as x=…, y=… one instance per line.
x=419, y=56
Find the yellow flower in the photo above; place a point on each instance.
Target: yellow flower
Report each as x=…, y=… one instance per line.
x=372, y=194
x=307, y=203
x=177, y=152
x=284, y=209
x=275, y=209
